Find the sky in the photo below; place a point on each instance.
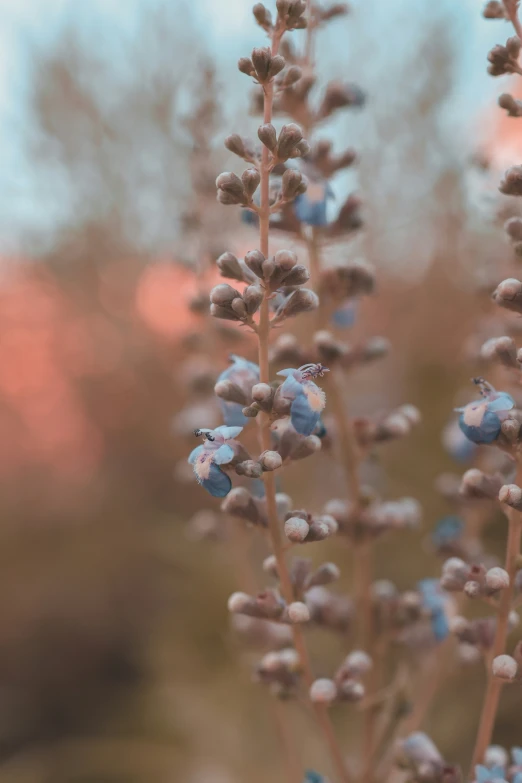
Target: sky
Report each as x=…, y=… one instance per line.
x=229, y=32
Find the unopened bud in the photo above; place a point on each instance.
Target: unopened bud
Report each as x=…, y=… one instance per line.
x=238, y=145
x=231, y=392
x=302, y=300
x=307, y=447
x=511, y=185
x=508, y=293
x=455, y=574
x=270, y=460
x=473, y=589
x=239, y=602
x=297, y=276
x=223, y=294
x=500, y=349
x=290, y=76
x=249, y=468
x=245, y=65
x=231, y=186
x=261, y=59
x=262, y=393
x=229, y=266
x=497, y=579
x=296, y=529
x=262, y=16
x=289, y=135
x=513, y=226
x=285, y=259
x=351, y=691
x=325, y=575
x=267, y=135
x=476, y=484
x=511, y=495
x=252, y=297
x=239, y=307
x=254, y=260
x=504, y=667
x=323, y=691
x=298, y=612
x=357, y=663
x=292, y=184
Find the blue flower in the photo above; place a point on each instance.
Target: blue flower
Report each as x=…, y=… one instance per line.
x=313, y=777
x=489, y=774
x=306, y=399
x=481, y=420
x=448, y=530
x=310, y=207
x=516, y=753
x=218, y=449
x=435, y=600
x=345, y=315
x=244, y=374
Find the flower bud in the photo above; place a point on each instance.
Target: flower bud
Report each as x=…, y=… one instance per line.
x=261, y=58
x=250, y=179
x=318, y=531
x=223, y=294
x=245, y=65
x=262, y=16
x=285, y=259
x=239, y=602
x=298, y=612
x=270, y=460
x=231, y=392
x=262, y=393
x=513, y=45
x=473, y=589
x=306, y=447
x=455, y=574
x=249, y=468
x=267, y=135
x=290, y=76
x=252, y=297
x=497, y=579
x=323, y=691
x=351, y=691
x=223, y=312
x=277, y=64
x=511, y=185
x=513, y=226
x=478, y=485
x=289, y=135
x=500, y=349
x=511, y=495
x=229, y=266
x=254, y=260
x=297, y=276
x=302, y=300
x=504, y=667
x=296, y=529
x=238, y=146
x=357, y=663
x=325, y=575
x=230, y=184
x=240, y=503
x=292, y=184
x=239, y=307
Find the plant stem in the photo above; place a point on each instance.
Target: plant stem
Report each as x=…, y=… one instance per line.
x=321, y=712
x=494, y=686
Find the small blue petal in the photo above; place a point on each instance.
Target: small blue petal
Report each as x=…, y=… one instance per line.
x=448, y=530
x=232, y=413
x=290, y=388
x=517, y=755
x=310, y=212
x=304, y=419
x=487, y=432
x=228, y=432
x=439, y=625
x=320, y=431
x=194, y=453
x=345, y=316
x=501, y=402
x=218, y=483
x=223, y=455
x=313, y=777
x=257, y=488
x=517, y=777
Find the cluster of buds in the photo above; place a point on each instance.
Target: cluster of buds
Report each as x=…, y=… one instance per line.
x=420, y=756
x=231, y=305
x=347, y=683
x=289, y=144
x=494, y=9
x=371, y=518
x=477, y=485
x=348, y=280
x=280, y=670
x=474, y=580
x=302, y=528
x=504, y=59
x=269, y=605
x=478, y=634
x=511, y=185
x=394, y=425
x=512, y=105
x=302, y=574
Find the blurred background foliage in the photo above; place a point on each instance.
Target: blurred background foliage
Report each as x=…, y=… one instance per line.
x=117, y=662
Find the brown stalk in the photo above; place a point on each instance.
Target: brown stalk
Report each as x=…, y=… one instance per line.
x=321, y=712
x=494, y=685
